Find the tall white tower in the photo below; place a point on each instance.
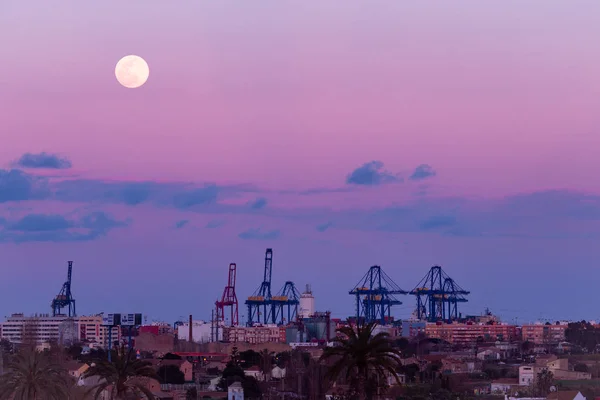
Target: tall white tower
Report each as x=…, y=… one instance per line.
x=307, y=304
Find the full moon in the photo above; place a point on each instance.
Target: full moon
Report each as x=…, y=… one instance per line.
x=132, y=71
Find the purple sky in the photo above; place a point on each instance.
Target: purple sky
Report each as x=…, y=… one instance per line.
x=299, y=127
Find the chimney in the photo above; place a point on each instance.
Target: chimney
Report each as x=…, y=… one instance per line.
x=190, y=338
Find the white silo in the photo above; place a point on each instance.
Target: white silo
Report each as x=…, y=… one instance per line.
x=307, y=304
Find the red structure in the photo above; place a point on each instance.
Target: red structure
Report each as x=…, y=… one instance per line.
x=229, y=299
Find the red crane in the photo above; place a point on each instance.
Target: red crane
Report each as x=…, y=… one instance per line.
x=229, y=299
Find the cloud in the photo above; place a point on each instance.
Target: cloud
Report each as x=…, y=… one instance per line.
x=423, y=171
x=214, y=224
x=40, y=223
x=257, y=204
x=57, y=228
x=43, y=160
x=544, y=214
x=258, y=234
x=438, y=221
x=324, y=227
x=371, y=174
x=16, y=185
x=181, y=224
x=203, y=196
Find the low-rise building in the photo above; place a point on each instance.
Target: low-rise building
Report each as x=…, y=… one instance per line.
x=252, y=334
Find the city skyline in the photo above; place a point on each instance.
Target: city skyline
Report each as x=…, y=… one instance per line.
x=390, y=135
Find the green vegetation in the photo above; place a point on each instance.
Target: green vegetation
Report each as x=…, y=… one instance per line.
x=33, y=375
x=364, y=360
x=116, y=375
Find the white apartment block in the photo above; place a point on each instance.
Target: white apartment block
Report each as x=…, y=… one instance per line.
x=44, y=328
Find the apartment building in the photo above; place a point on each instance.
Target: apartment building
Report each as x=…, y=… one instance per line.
x=44, y=328
x=91, y=331
x=254, y=334
x=544, y=333
x=39, y=328
x=458, y=333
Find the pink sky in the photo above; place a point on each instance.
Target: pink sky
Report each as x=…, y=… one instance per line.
x=499, y=97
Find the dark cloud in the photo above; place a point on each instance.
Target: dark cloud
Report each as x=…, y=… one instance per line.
x=258, y=234
x=181, y=224
x=40, y=222
x=423, y=171
x=43, y=160
x=545, y=214
x=438, y=221
x=57, y=228
x=16, y=185
x=214, y=224
x=203, y=196
x=371, y=174
x=259, y=203
x=324, y=227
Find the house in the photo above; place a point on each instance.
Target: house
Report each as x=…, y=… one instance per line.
x=186, y=367
x=492, y=354
x=76, y=369
x=278, y=373
x=255, y=372
x=527, y=374
x=235, y=391
x=566, y=395
x=504, y=386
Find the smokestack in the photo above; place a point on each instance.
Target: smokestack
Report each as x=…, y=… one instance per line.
x=190, y=329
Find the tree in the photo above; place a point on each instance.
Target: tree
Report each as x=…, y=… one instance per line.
x=171, y=356
x=31, y=375
x=358, y=355
x=191, y=394
x=234, y=373
x=580, y=367
x=527, y=347
x=171, y=374
x=116, y=375
x=543, y=382
x=266, y=363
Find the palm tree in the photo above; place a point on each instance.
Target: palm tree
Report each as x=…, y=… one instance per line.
x=33, y=375
x=121, y=376
x=266, y=363
x=362, y=357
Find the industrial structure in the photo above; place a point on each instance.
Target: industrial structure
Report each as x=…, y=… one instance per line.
x=438, y=296
x=262, y=297
x=375, y=296
x=228, y=299
x=288, y=300
x=65, y=298
x=307, y=303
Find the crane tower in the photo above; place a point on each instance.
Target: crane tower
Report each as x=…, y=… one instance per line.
x=229, y=299
x=375, y=296
x=260, y=303
x=438, y=296
x=65, y=298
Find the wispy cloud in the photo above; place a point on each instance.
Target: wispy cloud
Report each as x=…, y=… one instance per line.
x=423, y=171
x=57, y=228
x=214, y=224
x=370, y=174
x=258, y=204
x=180, y=224
x=43, y=160
x=259, y=234
x=324, y=227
